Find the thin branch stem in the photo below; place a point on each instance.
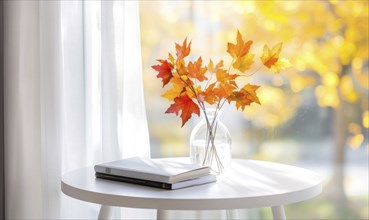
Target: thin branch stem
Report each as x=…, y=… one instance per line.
x=230, y=65
x=257, y=70
x=207, y=83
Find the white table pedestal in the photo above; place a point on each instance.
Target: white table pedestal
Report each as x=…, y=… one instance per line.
x=278, y=213
x=105, y=212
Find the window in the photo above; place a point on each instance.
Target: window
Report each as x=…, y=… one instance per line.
x=314, y=115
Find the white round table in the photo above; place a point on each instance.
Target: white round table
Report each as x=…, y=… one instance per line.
x=249, y=184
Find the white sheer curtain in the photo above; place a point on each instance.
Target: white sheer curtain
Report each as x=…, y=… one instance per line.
x=73, y=98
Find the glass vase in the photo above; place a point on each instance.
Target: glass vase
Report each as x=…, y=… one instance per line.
x=210, y=142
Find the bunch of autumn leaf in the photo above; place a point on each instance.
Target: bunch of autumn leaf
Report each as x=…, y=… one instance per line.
x=187, y=93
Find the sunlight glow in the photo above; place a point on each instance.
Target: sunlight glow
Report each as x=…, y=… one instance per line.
x=366, y=119
x=356, y=141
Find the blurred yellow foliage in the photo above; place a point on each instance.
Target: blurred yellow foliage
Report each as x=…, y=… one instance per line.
x=347, y=89
x=357, y=138
x=354, y=128
x=331, y=35
x=299, y=82
x=273, y=111
x=330, y=79
x=366, y=119
x=327, y=42
x=356, y=141
x=330, y=40
x=327, y=96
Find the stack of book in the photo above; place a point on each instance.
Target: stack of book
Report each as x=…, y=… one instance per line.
x=160, y=173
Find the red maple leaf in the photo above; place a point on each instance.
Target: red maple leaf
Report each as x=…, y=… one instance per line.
x=187, y=107
x=165, y=71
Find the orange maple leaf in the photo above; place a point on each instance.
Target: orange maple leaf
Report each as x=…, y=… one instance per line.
x=186, y=106
x=240, y=49
x=224, y=90
x=165, y=71
x=224, y=76
x=245, y=96
x=184, y=50
x=196, y=71
x=209, y=95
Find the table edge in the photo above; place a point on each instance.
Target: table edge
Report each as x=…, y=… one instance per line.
x=192, y=204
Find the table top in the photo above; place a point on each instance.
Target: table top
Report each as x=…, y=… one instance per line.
x=249, y=184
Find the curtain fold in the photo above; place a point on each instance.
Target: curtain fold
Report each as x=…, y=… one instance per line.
x=73, y=97
x=22, y=133
x=132, y=110
x=2, y=187
x=109, y=76
x=50, y=78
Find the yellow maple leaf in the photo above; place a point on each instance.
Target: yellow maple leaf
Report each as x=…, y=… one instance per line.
x=244, y=63
x=271, y=56
x=181, y=67
x=271, y=59
x=173, y=93
x=193, y=92
x=250, y=90
x=176, y=90
x=281, y=64
x=213, y=69
x=171, y=58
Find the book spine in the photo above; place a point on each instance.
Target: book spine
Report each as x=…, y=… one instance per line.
x=134, y=181
x=136, y=174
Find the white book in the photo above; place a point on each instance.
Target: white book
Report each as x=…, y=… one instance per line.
x=178, y=185
x=159, y=170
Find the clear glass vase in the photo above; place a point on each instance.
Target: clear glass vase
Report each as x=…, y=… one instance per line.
x=210, y=142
